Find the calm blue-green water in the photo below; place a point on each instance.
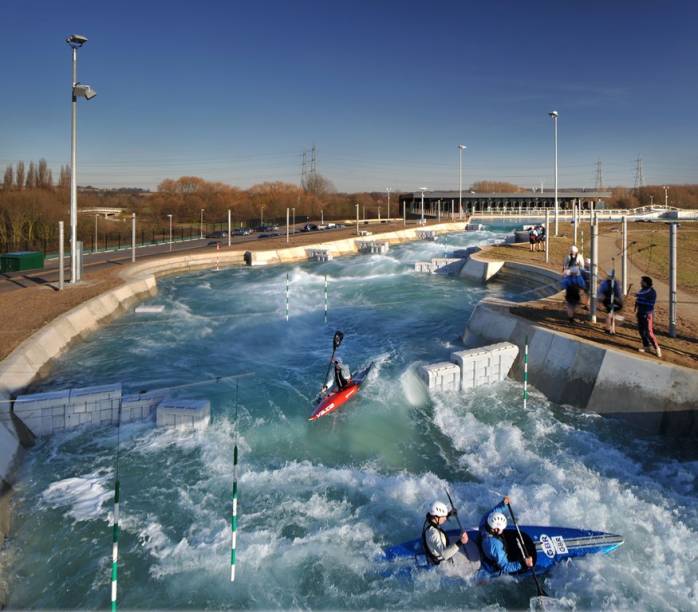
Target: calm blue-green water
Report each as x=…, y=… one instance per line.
x=318, y=501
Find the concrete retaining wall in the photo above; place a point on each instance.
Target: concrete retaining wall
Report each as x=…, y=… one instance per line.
x=656, y=397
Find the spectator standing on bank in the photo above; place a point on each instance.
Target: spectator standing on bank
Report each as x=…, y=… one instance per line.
x=532, y=238
x=610, y=296
x=645, y=300
x=572, y=282
x=540, y=243
x=573, y=260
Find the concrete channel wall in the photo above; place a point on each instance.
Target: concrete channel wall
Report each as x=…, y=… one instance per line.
x=656, y=397
x=31, y=357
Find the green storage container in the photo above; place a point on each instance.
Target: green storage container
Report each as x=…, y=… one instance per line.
x=21, y=260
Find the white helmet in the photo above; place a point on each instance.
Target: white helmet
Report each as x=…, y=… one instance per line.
x=574, y=250
x=497, y=520
x=438, y=509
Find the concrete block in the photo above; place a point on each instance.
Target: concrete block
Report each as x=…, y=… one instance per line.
x=319, y=254
x=442, y=376
x=36, y=410
x=485, y=365
x=423, y=266
x=447, y=265
x=140, y=407
x=373, y=246
x=480, y=270
x=426, y=235
x=184, y=414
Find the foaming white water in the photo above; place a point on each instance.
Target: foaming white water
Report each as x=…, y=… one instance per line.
x=81, y=497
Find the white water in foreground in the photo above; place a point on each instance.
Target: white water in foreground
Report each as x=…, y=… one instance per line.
x=318, y=501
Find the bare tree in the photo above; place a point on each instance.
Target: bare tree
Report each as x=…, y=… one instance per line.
x=30, y=183
x=9, y=177
x=20, y=175
x=318, y=184
x=42, y=174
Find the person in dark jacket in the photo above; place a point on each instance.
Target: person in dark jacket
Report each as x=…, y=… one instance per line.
x=611, y=296
x=495, y=558
x=342, y=374
x=644, y=308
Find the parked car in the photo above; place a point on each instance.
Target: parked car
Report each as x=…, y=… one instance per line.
x=242, y=231
x=310, y=227
x=218, y=234
x=267, y=228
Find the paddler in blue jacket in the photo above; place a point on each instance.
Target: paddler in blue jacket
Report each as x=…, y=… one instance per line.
x=494, y=554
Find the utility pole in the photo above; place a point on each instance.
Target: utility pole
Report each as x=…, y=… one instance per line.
x=594, y=269
x=672, y=279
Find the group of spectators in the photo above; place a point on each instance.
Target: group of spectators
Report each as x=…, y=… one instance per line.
x=536, y=238
x=576, y=278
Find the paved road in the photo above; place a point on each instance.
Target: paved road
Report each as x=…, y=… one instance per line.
x=49, y=274
x=97, y=261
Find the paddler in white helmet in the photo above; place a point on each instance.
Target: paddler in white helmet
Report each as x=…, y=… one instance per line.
x=435, y=541
x=342, y=374
x=494, y=554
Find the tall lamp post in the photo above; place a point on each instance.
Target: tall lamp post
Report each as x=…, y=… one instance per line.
x=422, y=189
x=388, y=189
x=357, y=218
x=461, y=148
x=170, y=217
x=75, y=41
x=554, y=115
x=201, y=224
x=666, y=197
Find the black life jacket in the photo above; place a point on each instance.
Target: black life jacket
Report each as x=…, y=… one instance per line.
x=432, y=559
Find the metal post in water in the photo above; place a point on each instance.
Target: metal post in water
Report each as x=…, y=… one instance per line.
x=133, y=237
x=287, y=296
x=325, y=298
x=594, y=270
x=547, y=236
x=61, y=257
x=234, y=516
x=624, y=259
x=525, y=376
x=115, y=548
x=672, y=278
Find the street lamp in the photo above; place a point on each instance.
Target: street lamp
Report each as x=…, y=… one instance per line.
x=96, y=217
x=201, y=224
x=666, y=197
x=423, y=189
x=357, y=218
x=294, y=221
x=461, y=148
x=170, y=216
x=75, y=41
x=554, y=115
x=388, y=189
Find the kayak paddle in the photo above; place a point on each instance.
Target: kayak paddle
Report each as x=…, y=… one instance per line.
x=450, y=501
x=336, y=341
x=543, y=600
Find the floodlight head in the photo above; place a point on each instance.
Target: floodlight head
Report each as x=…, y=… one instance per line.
x=76, y=40
x=84, y=91
x=462, y=147
x=553, y=114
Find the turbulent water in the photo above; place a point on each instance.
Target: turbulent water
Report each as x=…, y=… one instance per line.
x=319, y=501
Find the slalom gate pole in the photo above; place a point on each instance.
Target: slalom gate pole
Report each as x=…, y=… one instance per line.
x=287, y=296
x=115, y=527
x=325, y=298
x=234, y=517
x=525, y=376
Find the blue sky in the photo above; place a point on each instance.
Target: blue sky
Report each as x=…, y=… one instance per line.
x=235, y=91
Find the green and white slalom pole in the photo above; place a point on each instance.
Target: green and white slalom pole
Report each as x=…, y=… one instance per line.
x=287, y=296
x=325, y=298
x=115, y=527
x=234, y=517
x=525, y=376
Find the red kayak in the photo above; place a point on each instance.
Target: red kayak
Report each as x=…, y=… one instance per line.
x=335, y=400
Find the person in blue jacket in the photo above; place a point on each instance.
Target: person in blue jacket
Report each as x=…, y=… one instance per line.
x=644, y=308
x=494, y=555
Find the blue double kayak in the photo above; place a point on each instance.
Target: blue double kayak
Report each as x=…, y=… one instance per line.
x=548, y=546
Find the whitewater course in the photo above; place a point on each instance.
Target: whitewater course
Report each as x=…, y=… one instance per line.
x=318, y=502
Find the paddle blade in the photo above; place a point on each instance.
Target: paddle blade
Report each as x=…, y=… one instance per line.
x=337, y=340
x=547, y=604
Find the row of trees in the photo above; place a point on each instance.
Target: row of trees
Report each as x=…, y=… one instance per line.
x=31, y=208
x=35, y=176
